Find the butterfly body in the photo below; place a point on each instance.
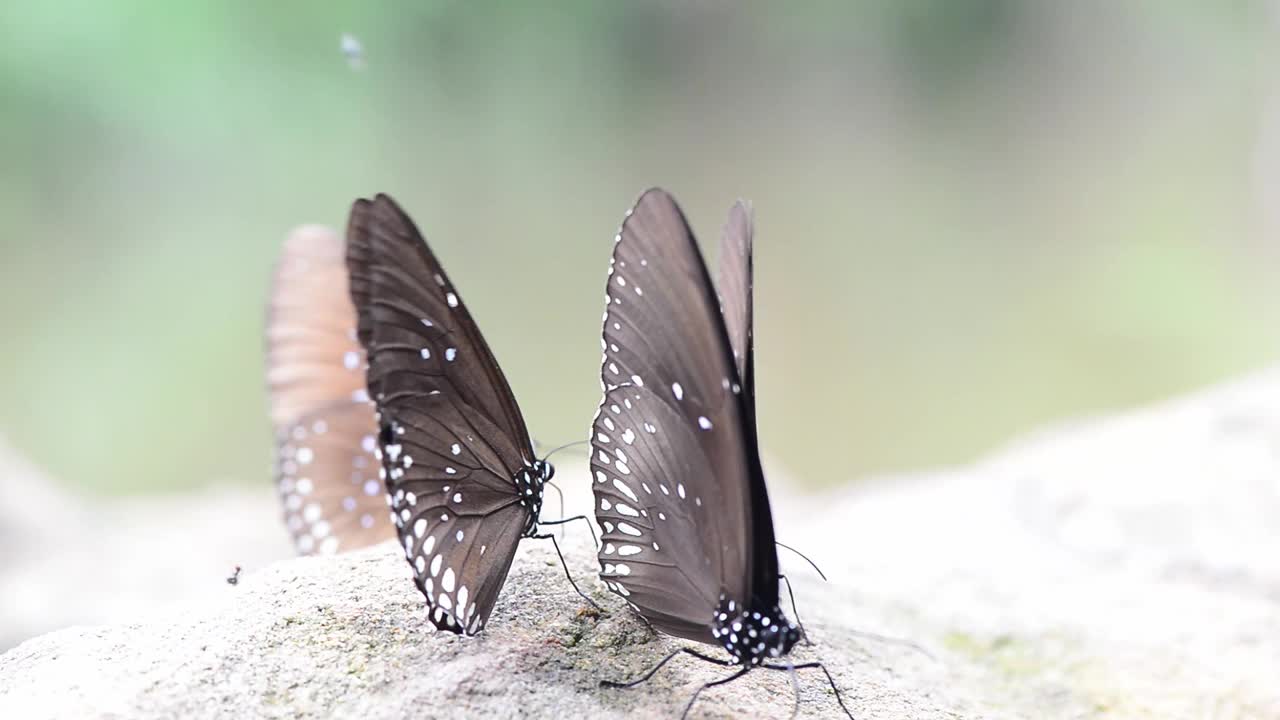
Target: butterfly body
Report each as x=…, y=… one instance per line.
x=753, y=636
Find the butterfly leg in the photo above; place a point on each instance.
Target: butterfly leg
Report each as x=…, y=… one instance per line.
x=653, y=670
x=565, y=565
x=795, y=610
x=804, y=666
x=689, y=706
x=595, y=541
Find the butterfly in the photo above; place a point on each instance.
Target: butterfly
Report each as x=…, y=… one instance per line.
x=463, y=482
x=688, y=533
x=325, y=470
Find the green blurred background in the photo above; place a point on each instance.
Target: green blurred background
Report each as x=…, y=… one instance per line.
x=973, y=217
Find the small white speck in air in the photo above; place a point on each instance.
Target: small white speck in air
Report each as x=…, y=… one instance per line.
x=425, y=353
x=451, y=299
x=608, y=423
x=459, y=536
x=450, y=354
x=628, y=529
x=305, y=455
x=420, y=527
x=604, y=504
x=680, y=490
x=704, y=423
x=455, y=449
x=457, y=497
x=435, y=565
x=677, y=391
x=601, y=437
x=628, y=436
x=451, y=471
x=371, y=487
x=351, y=359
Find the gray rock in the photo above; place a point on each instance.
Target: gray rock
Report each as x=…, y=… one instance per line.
x=1120, y=568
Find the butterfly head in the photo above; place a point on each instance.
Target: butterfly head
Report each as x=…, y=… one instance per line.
x=753, y=636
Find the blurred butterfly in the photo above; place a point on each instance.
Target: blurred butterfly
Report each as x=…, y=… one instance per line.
x=688, y=532
x=464, y=483
x=325, y=432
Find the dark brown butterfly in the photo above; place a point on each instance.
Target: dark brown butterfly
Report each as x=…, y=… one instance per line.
x=688, y=532
x=465, y=484
x=325, y=469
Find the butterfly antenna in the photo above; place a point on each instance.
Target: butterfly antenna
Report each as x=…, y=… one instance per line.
x=562, y=447
x=806, y=559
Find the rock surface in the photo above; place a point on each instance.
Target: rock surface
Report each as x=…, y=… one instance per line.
x=1120, y=568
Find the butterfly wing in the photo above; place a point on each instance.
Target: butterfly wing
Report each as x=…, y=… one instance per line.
x=671, y=455
x=452, y=438
x=736, y=306
x=325, y=470
x=735, y=283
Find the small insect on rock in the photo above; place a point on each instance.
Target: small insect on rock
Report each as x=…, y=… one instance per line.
x=234, y=578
